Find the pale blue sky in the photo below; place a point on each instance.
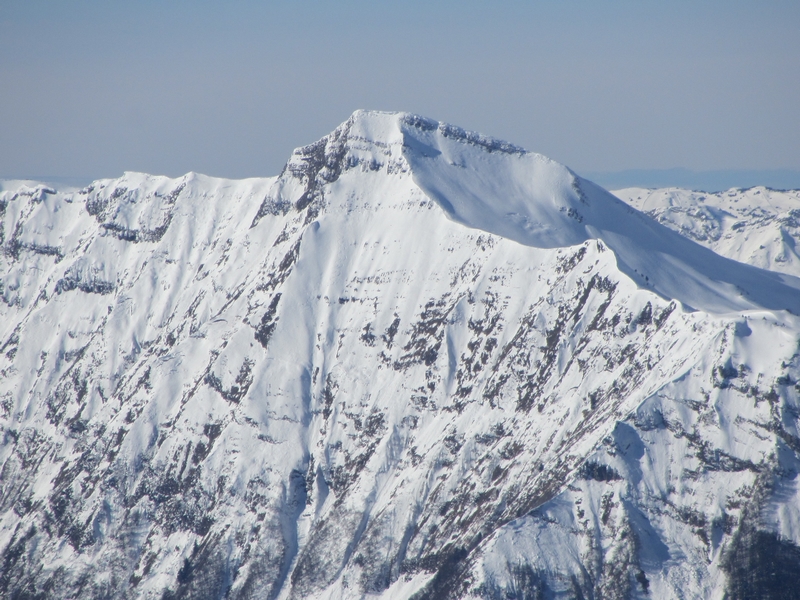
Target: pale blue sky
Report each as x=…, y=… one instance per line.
x=92, y=88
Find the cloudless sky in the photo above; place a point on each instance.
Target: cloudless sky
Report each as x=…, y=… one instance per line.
x=92, y=88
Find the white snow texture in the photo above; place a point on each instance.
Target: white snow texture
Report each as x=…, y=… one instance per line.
x=419, y=363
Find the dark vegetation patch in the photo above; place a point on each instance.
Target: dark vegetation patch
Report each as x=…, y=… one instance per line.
x=72, y=281
x=204, y=575
x=42, y=249
x=367, y=336
x=762, y=566
x=525, y=583
x=599, y=472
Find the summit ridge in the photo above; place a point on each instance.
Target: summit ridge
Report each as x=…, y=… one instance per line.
x=502, y=189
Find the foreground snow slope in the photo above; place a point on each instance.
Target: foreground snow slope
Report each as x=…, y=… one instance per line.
x=759, y=226
x=418, y=362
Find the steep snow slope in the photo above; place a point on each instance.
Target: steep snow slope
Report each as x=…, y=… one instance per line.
x=325, y=385
x=530, y=199
x=759, y=226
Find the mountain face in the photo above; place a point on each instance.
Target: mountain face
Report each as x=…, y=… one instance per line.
x=418, y=363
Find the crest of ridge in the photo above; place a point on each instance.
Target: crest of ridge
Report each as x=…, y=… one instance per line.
x=491, y=185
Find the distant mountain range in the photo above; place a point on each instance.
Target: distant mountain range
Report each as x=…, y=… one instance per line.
x=419, y=363
x=707, y=181
x=758, y=226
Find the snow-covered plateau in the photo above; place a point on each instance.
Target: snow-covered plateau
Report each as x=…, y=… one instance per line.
x=420, y=363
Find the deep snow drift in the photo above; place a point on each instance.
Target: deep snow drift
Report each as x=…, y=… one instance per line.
x=419, y=361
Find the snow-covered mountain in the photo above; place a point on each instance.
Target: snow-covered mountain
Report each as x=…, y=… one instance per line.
x=418, y=363
x=759, y=226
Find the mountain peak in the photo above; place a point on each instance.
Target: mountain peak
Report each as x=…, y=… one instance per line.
x=490, y=185
x=385, y=128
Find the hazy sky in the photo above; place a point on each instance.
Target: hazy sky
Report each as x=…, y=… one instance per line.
x=94, y=88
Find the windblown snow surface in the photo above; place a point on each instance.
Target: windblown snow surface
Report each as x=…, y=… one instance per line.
x=419, y=363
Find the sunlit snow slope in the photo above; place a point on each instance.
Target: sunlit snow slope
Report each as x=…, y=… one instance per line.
x=420, y=362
